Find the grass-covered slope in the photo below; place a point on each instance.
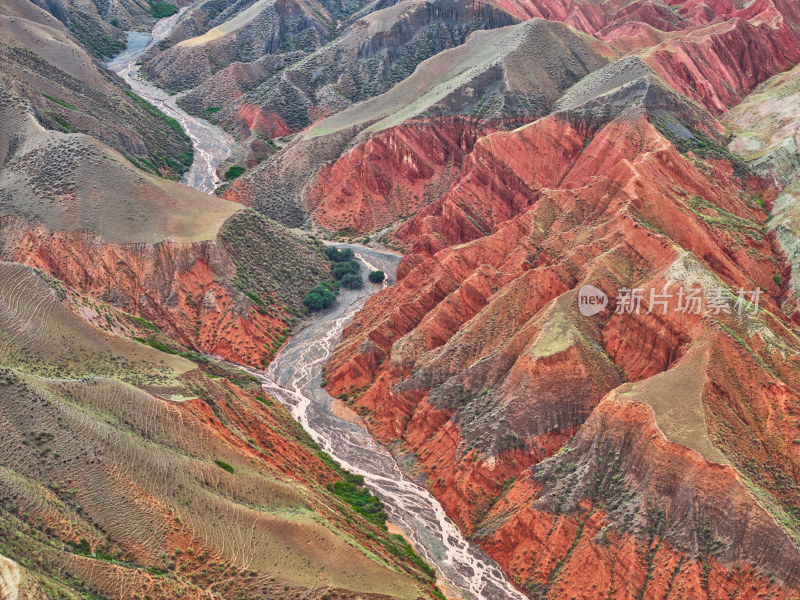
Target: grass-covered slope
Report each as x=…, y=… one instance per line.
x=74, y=182
x=42, y=336
x=273, y=261
x=520, y=69
x=40, y=62
x=127, y=472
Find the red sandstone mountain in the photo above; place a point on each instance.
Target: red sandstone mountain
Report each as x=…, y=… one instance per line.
x=618, y=455
x=574, y=142
x=133, y=465
x=497, y=78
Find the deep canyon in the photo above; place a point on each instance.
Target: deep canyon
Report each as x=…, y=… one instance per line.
x=203, y=396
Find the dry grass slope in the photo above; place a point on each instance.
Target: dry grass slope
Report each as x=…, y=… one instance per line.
x=112, y=491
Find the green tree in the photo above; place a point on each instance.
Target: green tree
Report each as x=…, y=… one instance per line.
x=319, y=298
x=343, y=268
x=338, y=256
x=162, y=9
x=234, y=172
x=352, y=281
x=376, y=276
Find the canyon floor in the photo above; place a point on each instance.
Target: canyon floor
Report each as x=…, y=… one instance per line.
x=579, y=378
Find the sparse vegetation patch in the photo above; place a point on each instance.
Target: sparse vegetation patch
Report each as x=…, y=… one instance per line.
x=59, y=102
x=234, y=172
x=272, y=263
x=352, y=491
x=159, y=10
x=226, y=466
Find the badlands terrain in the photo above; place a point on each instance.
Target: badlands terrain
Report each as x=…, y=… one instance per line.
x=202, y=395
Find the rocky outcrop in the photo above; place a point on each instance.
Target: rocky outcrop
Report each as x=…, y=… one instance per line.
x=242, y=34
x=479, y=362
x=278, y=186
x=520, y=70
x=186, y=289
x=613, y=21
x=392, y=175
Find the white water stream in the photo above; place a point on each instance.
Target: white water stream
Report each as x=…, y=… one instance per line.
x=211, y=144
x=294, y=377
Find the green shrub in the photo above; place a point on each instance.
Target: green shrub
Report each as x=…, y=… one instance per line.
x=160, y=346
x=143, y=323
x=234, y=172
x=223, y=465
x=59, y=102
x=114, y=21
x=343, y=268
x=171, y=123
x=336, y=255
x=159, y=10
x=351, y=490
x=319, y=298
x=376, y=276
x=212, y=109
x=352, y=281
x=254, y=298
x=81, y=547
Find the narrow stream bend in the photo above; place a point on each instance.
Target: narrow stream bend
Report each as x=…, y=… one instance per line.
x=295, y=376
x=211, y=144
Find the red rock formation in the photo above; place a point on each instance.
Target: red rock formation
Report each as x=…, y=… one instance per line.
x=584, y=555
x=239, y=191
x=719, y=64
x=251, y=119
x=478, y=361
x=393, y=174
x=180, y=287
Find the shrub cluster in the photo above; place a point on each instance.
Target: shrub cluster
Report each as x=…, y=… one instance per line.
x=376, y=276
x=223, y=465
x=234, y=172
x=340, y=256
x=159, y=10
x=352, y=491
x=346, y=269
x=319, y=298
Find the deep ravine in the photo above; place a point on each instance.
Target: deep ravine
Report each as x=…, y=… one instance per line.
x=294, y=377
x=211, y=144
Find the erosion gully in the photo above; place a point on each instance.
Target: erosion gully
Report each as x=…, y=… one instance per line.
x=294, y=377
x=211, y=144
